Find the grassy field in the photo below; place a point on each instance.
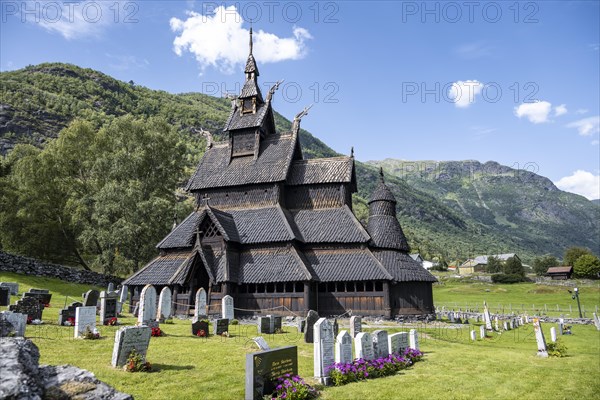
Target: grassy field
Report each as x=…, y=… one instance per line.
x=501, y=366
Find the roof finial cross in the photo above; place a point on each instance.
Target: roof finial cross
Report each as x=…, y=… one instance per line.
x=250, y=37
x=205, y=200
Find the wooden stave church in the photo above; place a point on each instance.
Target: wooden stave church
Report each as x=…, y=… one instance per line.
x=277, y=232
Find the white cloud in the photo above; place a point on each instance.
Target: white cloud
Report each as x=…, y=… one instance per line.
x=560, y=110
x=595, y=142
x=581, y=182
x=462, y=93
x=582, y=111
x=586, y=126
x=536, y=113
x=219, y=41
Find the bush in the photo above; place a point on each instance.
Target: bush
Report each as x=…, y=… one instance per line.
x=234, y=322
x=507, y=278
x=556, y=349
x=541, y=264
x=294, y=388
x=587, y=266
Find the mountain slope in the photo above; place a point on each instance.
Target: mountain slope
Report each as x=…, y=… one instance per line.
x=38, y=101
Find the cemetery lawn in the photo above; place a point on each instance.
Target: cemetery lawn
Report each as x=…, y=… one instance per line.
x=501, y=366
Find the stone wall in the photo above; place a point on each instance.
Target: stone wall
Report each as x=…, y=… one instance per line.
x=30, y=266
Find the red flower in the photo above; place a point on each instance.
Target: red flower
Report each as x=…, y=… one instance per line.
x=201, y=333
x=156, y=332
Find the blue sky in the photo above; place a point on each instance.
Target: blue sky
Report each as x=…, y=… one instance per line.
x=514, y=82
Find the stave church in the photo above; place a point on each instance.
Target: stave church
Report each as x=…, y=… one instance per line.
x=277, y=232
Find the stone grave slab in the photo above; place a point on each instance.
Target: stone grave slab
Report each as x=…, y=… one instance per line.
x=227, y=307
x=264, y=325
x=127, y=339
x=12, y=286
x=264, y=367
x=343, y=347
x=413, y=339
x=12, y=324
x=4, y=296
x=363, y=346
x=200, y=309
x=311, y=318
x=221, y=326
x=122, y=299
x=108, y=306
x=199, y=325
x=261, y=343
x=85, y=317
x=147, y=312
x=164, y=304
x=539, y=338
x=397, y=342
x=90, y=298
x=482, y=333
x=276, y=324
x=323, y=349
x=355, y=326
x=42, y=295
x=380, y=343
x=68, y=312
x=486, y=317
x=30, y=306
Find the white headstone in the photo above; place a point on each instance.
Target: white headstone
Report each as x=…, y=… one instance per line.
x=473, y=335
x=482, y=332
x=561, y=326
x=496, y=323
x=200, y=310
x=597, y=321
x=505, y=325
x=127, y=339
x=164, y=304
x=261, y=343
x=553, y=334
x=85, y=317
x=486, y=317
x=380, y=343
x=413, y=339
x=343, y=347
x=18, y=322
x=355, y=326
x=363, y=346
x=323, y=348
x=147, y=310
x=539, y=337
x=122, y=299
x=397, y=342
x=111, y=287
x=227, y=307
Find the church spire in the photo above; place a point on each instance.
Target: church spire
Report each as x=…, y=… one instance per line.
x=250, y=40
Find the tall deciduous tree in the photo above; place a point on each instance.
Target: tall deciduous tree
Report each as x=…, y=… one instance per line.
x=541, y=264
x=573, y=253
x=494, y=265
x=587, y=266
x=513, y=266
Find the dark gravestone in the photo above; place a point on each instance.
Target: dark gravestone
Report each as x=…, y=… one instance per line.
x=108, y=306
x=90, y=298
x=30, y=306
x=68, y=312
x=12, y=324
x=336, y=328
x=311, y=318
x=221, y=326
x=4, y=296
x=264, y=367
x=264, y=325
x=42, y=295
x=136, y=310
x=301, y=325
x=12, y=286
x=276, y=324
x=198, y=326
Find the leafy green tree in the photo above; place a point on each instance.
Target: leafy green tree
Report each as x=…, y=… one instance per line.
x=573, y=253
x=513, y=266
x=541, y=264
x=587, y=266
x=494, y=265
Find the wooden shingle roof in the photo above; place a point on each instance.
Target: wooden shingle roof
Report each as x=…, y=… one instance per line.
x=329, y=225
x=183, y=234
x=402, y=267
x=321, y=170
x=386, y=233
x=272, y=264
x=349, y=264
x=160, y=270
x=272, y=164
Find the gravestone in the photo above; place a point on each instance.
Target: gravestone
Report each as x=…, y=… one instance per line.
x=164, y=304
x=511, y=323
x=276, y=324
x=108, y=307
x=486, y=317
x=85, y=317
x=261, y=343
x=198, y=326
x=553, y=334
x=561, y=326
x=111, y=287
x=452, y=320
x=4, y=296
x=264, y=325
x=343, y=347
x=413, y=339
x=380, y=343
x=323, y=349
x=363, y=346
x=200, y=310
x=28, y=305
x=271, y=323
x=221, y=326
x=496, y=323
x=398, y=342
x=473, y=336
x=539, y=337
x=90, y=298
x=264, y=367
x=12, y=286
x=227, y=307
x=122, y=299
x=355, y=326
x=147, y=312
x=311, y=319
x=597, y=321
x=127, y=339
x=12, y=324
x=136, y=310
x=482, y=332
x=42, y=295
x=68, y=312
x=336, y=327
x=301, y=325
x=505, y=326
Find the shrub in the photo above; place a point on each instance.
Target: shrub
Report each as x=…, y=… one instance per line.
x=136, y=363
x=556, y=349
x=234, y=322
x=587, y=266
x=293, y=387
x=507, y=278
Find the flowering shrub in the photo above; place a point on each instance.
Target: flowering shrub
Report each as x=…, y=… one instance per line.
x=90, y=334
x=111, y=321
x=293, y=387
x=360, y=369
x=556, y=349
x=156, y=332
x=136, y=363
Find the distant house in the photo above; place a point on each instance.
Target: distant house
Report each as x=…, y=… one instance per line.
x=417, y=257
x=479, y=263
x=560, y=273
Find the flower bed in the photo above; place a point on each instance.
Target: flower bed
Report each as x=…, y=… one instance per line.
x=293, y=387
x=361, y=369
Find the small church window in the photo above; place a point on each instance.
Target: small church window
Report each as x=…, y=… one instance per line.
x=360, y=287
x=299, y=287
x=368, y=286
x=379, y=286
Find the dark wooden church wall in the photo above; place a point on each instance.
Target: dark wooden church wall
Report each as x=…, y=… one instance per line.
x=256, y=195
x=314, y=196
x=411, y=298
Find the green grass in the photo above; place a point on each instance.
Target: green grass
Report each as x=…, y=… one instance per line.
x=503, y=366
